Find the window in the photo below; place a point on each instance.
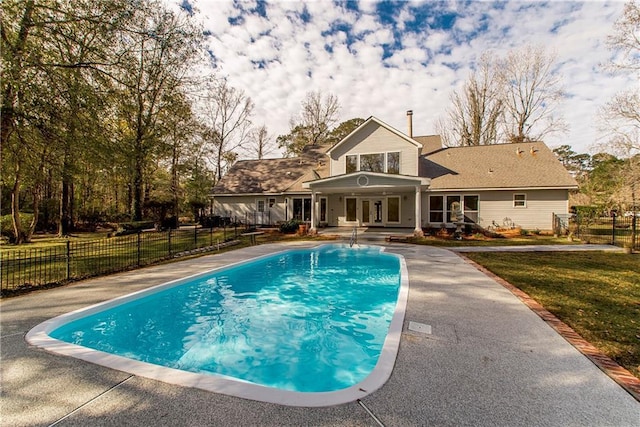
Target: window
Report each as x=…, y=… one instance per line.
x=260, y=205
x=302, y=209
x=272, y=202
x=393, y=209
x=470, y=206
x=372, y=162
x=453, y=208
x=323, y=209
x=352, y=163
x=436, y=209
x=519, y=200
x=393, y=162
x=351, y=208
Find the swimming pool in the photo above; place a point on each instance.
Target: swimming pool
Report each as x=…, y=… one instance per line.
x=299, y=327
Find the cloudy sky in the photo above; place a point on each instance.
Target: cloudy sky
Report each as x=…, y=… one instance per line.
x=384, y=58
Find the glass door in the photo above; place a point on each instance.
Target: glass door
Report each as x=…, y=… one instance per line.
x=366, y=214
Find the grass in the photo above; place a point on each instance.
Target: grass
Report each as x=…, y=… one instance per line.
x=596, y=293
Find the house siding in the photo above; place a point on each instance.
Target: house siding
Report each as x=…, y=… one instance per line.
x=540, y=205
x=244, y=209
x=374, y=138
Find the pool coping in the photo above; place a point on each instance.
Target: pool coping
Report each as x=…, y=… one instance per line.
x=39, y=336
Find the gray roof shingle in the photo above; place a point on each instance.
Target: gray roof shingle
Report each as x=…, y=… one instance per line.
x=521, y=165
x=273, y=176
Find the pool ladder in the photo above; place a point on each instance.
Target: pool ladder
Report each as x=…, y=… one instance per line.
x=354, y=237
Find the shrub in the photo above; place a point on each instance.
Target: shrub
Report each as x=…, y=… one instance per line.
x=290, y=226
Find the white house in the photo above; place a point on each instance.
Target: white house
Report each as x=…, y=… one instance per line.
x=378, y=176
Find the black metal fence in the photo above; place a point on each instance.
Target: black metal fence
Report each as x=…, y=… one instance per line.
x=28, y=268
x=612, y=230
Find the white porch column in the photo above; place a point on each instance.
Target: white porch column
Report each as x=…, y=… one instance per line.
x=418, y=229
x=313, y=229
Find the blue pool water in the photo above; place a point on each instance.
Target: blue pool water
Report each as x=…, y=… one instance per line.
x=302, y=320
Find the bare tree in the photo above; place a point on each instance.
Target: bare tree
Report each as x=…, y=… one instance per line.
x=318, y=116
x=532, y=91
x=228, y=120
x=619, y=121
x=261, y=142
x=625, y=39
x=475, y=111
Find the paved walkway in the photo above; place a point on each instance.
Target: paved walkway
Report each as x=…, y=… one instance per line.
x=490, y=361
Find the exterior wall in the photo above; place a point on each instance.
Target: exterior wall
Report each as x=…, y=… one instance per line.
x=374, y=138
x=244, y=208
x=540, y=206
x=498, y=207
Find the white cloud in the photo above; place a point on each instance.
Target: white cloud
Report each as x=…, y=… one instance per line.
x=423, y=67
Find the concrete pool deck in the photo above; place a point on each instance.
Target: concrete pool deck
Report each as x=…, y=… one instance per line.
x=489, y=360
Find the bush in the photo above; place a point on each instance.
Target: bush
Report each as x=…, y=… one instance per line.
x=290, y=226
x=133, y=227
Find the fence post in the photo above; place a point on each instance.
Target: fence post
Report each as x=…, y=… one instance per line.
x=211, y=234
x=68, y=259
x=613, y=228
x=139, y=244
x=195, y=236
x=169, y=241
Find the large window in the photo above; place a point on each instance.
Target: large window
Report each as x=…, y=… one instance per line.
x=323, y=209
x=372, y=162
x=468, y=205
x=393, y=209
x=436, y=209
x=351, y=208
x=393, y=162
x=453, y=208
x=302, y=209
x=352, y=163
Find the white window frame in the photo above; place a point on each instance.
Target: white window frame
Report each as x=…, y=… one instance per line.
x=259, y=203
x=385, y=160
x=520, y=204
x=445, y=211
x=326, y=211
x=399, y=210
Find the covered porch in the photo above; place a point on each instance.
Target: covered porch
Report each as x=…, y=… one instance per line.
x=368, y=199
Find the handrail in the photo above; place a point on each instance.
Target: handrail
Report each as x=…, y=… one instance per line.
x=354, y=237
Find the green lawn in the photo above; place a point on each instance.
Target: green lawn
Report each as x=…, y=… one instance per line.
x=596, y=293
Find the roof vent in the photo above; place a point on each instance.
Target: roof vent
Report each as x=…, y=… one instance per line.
x=519, y=152
x=533, y=151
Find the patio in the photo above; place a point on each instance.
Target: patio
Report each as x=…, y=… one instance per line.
x=488, y=361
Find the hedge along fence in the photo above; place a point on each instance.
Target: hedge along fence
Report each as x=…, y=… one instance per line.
x=31, y=268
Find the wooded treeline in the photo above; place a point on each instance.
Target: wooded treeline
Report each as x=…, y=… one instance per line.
x=110, y=111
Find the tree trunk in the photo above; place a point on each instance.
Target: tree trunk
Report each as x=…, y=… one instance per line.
x=15, y=208
x=138, y=191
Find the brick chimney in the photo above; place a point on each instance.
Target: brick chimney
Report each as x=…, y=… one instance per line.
x=410, y=122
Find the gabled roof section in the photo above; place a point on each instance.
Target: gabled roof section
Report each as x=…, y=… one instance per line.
x=430, y=143
x=379, y=122
x=273, y=176
x=521, y=165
